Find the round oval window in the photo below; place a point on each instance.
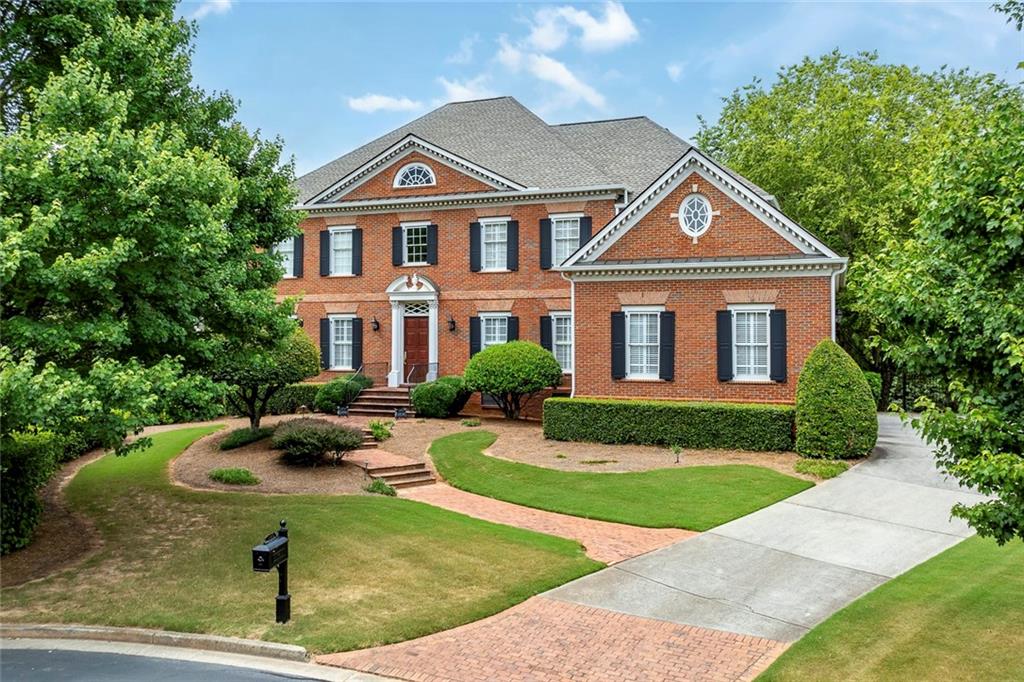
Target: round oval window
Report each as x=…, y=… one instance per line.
x=695, y=215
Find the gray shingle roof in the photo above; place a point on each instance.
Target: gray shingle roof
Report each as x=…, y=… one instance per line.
x=505, y=137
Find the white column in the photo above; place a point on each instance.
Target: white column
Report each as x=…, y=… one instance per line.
x=397, y=329
x=432, y=340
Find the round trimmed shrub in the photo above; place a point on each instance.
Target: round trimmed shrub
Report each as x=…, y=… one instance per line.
x=835, y=411
x=433, y=399
x=512, y=373
x=340, y=392
x=462, y=393
x=307, y=442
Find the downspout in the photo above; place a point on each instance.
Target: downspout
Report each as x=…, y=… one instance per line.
x=835, y=285
x=572, y=316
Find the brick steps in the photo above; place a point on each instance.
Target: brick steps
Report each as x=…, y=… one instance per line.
x=381, y=402
x=395, y=470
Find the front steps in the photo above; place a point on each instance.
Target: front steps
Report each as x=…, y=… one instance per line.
x=381, y=402
x=395, y=470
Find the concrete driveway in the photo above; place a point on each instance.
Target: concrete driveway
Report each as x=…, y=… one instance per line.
x=778, y=572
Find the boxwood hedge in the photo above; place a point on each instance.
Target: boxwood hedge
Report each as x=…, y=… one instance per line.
x=663, y=422
x=290, y=398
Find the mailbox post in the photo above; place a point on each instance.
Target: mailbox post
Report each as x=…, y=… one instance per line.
x=270, y=554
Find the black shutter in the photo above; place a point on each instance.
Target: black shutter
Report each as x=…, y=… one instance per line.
x=432, y=244
x=357, y=342
x=512, y=329
x=357, y=252
x=298, y=253
x=396, y=245
x=777, y=358
x=325, y=253
x=545, y=244
x=586, y=229
x=618, y=345
x=667, y=346
x=474, y=336
x=474, y=247
x=546, y=337
x=723, y=322
x=512, y=254
x=325, y=342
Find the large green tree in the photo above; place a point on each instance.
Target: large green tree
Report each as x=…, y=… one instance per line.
x=955, y=291
x=837, y=139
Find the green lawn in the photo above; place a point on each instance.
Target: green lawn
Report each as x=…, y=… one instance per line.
x=365, y=570
x=959, y=616
x=695, y=498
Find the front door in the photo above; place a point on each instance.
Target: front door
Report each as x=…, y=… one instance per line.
x=416, y=350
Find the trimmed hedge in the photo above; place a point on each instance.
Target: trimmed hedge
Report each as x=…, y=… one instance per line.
x=339, y=392
x=244, y=436
x=668, y=423
x=290, y=398
x=442, y=398
x=835, y=411
x=462, y=393
x=27, y=460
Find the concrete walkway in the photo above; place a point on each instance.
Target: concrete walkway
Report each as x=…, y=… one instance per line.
x=778, y=572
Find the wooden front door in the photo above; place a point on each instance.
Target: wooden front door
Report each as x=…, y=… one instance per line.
x=416, y=350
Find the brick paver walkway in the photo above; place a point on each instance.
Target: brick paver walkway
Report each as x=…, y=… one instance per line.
x=543, y=639
x=603, y=541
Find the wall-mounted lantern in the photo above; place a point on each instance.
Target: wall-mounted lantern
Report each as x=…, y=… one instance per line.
x=374, y=324
x=451, y=323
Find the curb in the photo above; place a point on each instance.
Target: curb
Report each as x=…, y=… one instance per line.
x=229, y=645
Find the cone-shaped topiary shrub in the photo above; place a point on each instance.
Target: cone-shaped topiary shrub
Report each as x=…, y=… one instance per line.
x=835, y=411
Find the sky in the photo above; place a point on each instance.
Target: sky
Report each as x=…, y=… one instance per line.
x=329, y=76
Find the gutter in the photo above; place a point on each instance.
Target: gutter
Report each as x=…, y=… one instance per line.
x=836, y=275
x=572, y=313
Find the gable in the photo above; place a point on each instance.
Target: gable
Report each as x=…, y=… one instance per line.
x=448, y=180
x=734, y=230
x=740, y=210
x=398, y=155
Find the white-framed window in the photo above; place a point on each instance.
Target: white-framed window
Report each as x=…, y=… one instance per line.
x=642, y=342
x=341, y=343
x=341, y=250
x=415, y=175
x=286, y=249
x=494, y=238
x=561, y=339
x=493, y=329
x=695, y=215
x=751, y=338
x=565, y=237
x=414, y=243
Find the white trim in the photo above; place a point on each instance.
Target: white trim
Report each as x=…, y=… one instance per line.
x=695, y=161
x=483, y=330
x=578, y=217
x=341, y=228
x=789, y=267
x=557, y=314
x=753, y=308
x=404, y=147
x=462, y=200
x=656, y=310
x=572, y=311
x=399, y=293
x=833, y=290
x=401, y=172
x=405, y=242
x=334, y=230
x=491, y=222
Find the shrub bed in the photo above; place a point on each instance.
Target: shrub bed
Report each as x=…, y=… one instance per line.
x=308, y=441
x=244, y=436
x=27, y=460
x=835, y=411
x=340, y=392
x=290, y=398
x=444, y=397
x=658, y=422
x=234, y=476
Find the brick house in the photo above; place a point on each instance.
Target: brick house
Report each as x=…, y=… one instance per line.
x=644, y=266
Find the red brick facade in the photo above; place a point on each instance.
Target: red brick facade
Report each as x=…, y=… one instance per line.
x=530, y=292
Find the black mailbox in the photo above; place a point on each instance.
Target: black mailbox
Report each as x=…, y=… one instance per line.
x=270, y=554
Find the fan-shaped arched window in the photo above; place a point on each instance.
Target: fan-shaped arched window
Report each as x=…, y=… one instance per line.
x=415, y=175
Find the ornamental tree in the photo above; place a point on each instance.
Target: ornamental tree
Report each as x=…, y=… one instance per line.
x=955, y=292
x=256, y=373
x=513, y=373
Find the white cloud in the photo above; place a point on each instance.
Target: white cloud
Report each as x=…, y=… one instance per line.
x=461, y=91
x=508, y=54
x=555, y=72
x=212, y=7
x=371, y=103
x=464, y=55
x=675, y=70
x=550, y=28
x=614, y=29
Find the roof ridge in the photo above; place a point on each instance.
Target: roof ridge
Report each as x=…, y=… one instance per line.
x=469, y=101
x=601, y=120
